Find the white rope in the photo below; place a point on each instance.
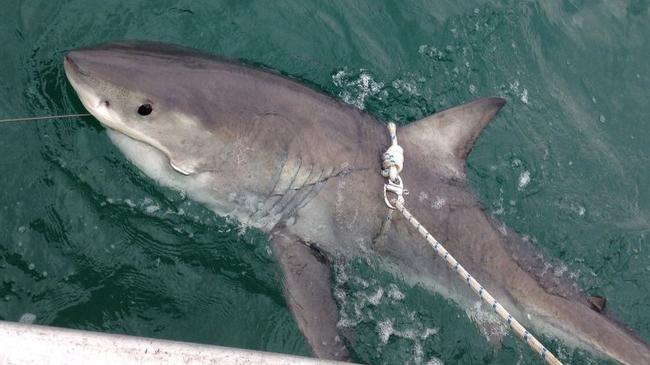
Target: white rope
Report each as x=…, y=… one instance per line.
x=44, y=117
x=393, y=157
x=454, y=265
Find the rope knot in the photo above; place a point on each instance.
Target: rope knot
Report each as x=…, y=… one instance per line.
x=393, y=158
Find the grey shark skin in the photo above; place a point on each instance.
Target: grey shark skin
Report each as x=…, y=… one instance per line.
x=303, y=167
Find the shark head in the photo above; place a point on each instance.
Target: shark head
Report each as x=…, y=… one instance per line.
x=126, y=88
x=232, y=136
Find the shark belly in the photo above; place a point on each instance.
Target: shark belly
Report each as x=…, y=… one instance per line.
x=202, y=187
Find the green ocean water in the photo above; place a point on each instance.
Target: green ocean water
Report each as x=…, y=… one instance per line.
x=87, y=241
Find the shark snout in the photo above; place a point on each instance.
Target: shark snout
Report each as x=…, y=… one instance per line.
x=72, y=70
x=72, y=65
x=79, y=79
x=68, y=64
x=80, y=72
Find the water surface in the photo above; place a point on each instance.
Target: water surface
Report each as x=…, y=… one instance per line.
x=87, y=241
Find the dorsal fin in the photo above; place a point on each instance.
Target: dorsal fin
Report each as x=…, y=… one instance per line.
x=445, y=138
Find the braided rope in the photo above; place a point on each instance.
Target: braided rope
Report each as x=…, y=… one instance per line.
x=393, y=157
x=393, y=160
x=478, y=289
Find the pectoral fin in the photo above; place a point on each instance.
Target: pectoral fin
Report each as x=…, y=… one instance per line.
x=309, y=295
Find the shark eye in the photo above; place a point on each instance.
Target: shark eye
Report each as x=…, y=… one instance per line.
x=145, y=109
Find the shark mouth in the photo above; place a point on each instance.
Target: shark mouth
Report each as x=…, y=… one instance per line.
x=98, y=107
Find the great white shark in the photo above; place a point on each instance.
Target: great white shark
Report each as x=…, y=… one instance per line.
x=264, y=149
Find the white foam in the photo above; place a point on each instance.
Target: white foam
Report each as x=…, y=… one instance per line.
x=489, y=323
x=524, y=179
x=152, y=208
x=524, y=96
x=376, y=298
x=560, y=270
x=385, y=330
x=356, y=91
x=394, y=293
x=435, y=361
x=28, y=318
x=406, y=87
x=430, y=51
x=517, y=90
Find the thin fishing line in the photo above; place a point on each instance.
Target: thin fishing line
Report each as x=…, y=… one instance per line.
x=44, y=117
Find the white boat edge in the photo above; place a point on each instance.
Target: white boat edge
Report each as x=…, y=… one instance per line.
x=27, y=344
